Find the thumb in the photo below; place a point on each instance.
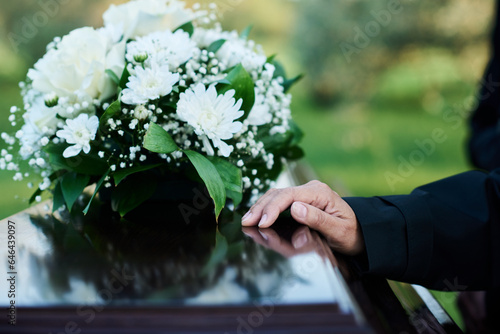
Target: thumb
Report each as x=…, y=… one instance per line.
x=313, y=217
x=343, y=235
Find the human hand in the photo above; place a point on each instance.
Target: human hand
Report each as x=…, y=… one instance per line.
x=302, y=241
x=313, y=204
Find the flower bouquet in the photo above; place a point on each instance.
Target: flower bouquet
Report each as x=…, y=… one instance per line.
x=160, y=92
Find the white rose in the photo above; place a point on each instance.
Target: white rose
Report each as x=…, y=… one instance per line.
x=141, y=17
x=39, y=121
x=79, y=64
x=41, y=116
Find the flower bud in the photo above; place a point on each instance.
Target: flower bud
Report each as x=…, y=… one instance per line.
x=51, y=100
x=141, y=57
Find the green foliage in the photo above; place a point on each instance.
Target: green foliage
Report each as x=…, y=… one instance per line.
x=57, y=197
x=98, y=187
x=246, y=32
x=113, y=76
x=72, y=186
x=215, y=46
x=121, y=174
x=242, y=83
x=218, y=254
x=211, y=178
x=124, y=78
x=231, y=177
x=187, y=27
x=85, y=164
x=132, y=192
x=112, y=110
x=158, y=140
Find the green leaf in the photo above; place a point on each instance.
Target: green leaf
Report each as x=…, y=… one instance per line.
x=243, y=85
x=270, y=59
x=280, y=70
x=54, y=176
x=38, y=192
x=188, y=27
x=223, y=82
x=97, y=188
x=211, y=178
x=298, y=134
x=88, y=164
x=113, y=76
x=72, y=186
x=215, y=46
x=231, y=177
x=246, y=32
x=236, y=196
x=290, y=82
x=123, y=173
x=158, y=140
x=218, y=254
x=57, y=197
x=132, y=192
x=276, y=141
x=124, y=78
x=294, y=153
x=231, y=228
x=113, y=109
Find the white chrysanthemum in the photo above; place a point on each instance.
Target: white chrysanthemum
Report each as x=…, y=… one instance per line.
x=212, y=116
x=163, y=47
x=79, y=131
x=149, y=84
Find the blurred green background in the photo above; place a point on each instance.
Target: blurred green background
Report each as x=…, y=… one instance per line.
x=378, y=82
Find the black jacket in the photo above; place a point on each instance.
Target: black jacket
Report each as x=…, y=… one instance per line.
x=445, y=235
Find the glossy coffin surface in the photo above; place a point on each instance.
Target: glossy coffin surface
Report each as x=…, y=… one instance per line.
x=168, y=262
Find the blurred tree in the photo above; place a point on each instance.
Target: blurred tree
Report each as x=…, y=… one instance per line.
x=345, y=45
x=27, y=26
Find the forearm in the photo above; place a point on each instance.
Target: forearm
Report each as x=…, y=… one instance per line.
x=440, y=234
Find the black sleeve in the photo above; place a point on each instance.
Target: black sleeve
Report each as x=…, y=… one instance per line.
x=484, y=141
x=444, y=235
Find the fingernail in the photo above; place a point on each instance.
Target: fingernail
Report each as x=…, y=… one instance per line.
x=300, y=241
x=263, y=220
x=299, y=209
x=246, y=216
x=264, y=235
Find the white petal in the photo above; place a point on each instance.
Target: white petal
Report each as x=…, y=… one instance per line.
x=72, y=151
x=225, y=149
x=86, y=149
x=93, y=124
x=208, y=146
